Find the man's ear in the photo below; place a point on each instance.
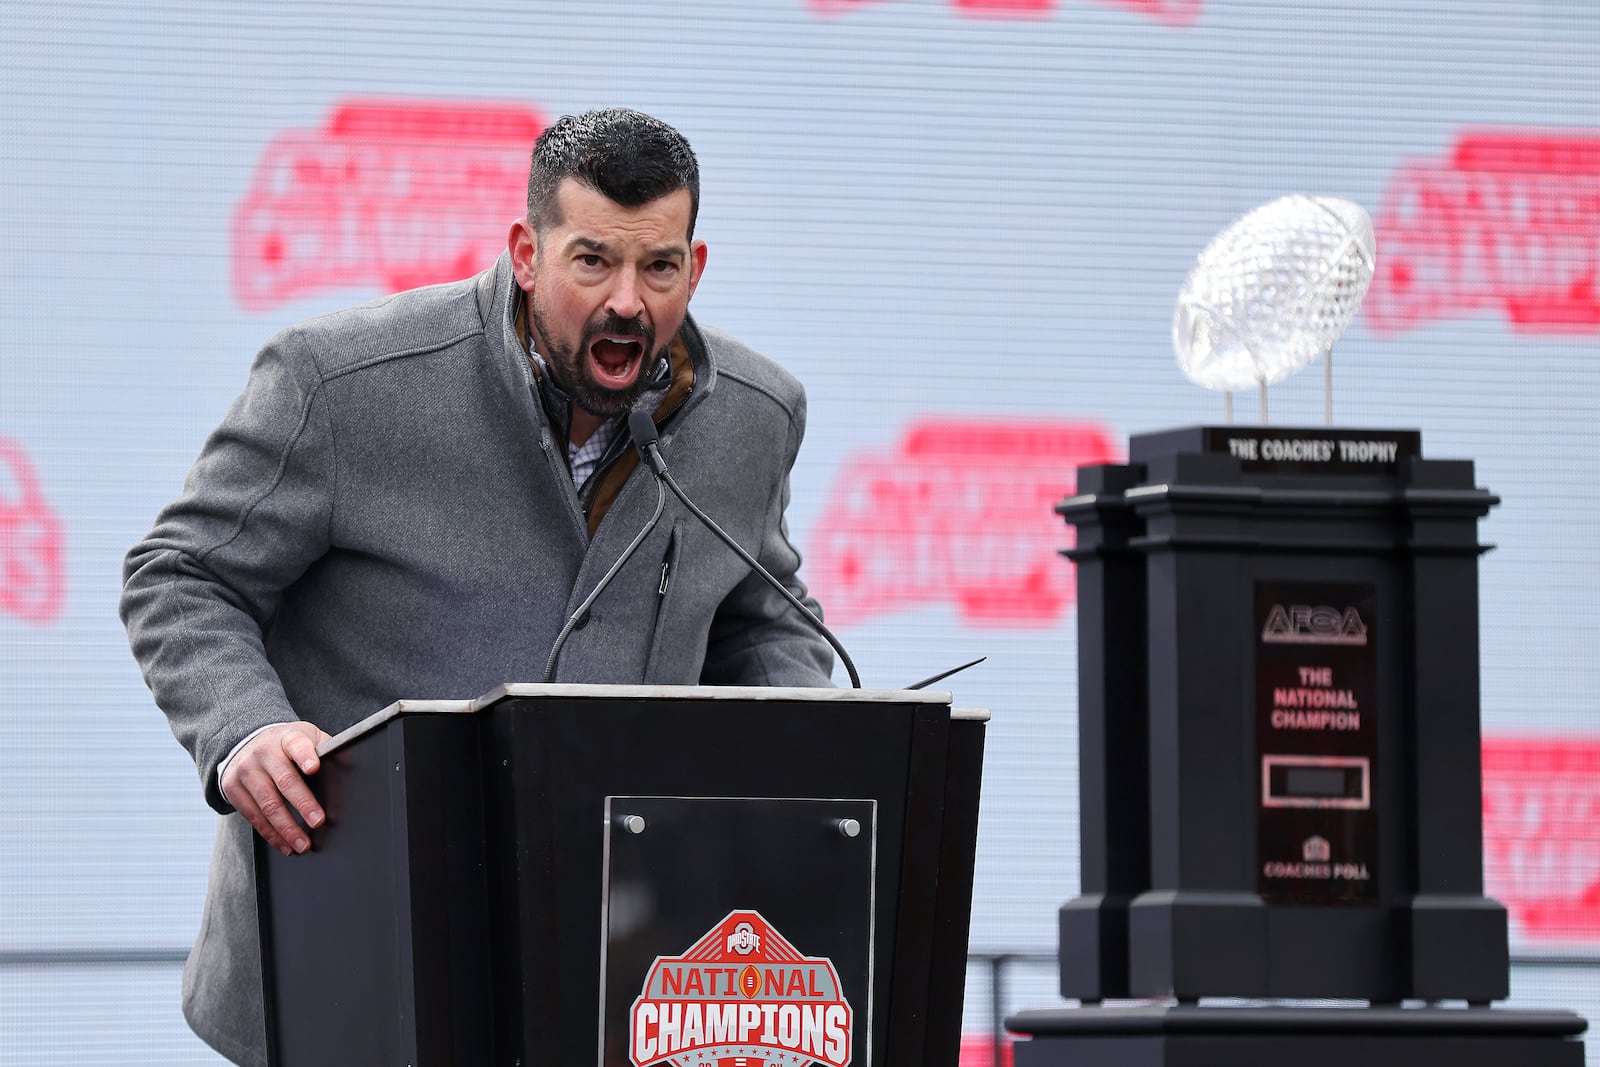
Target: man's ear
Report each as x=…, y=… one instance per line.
x=697, y=264
x=523, y=244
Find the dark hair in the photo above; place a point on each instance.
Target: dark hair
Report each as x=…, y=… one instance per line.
x=629, y=157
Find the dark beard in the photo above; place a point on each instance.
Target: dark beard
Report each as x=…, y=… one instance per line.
x=570, y=367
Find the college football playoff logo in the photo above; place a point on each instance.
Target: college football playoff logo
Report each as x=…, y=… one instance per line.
x=741, y=996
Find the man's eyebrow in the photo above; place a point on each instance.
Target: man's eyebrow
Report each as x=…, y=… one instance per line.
x=667, y=252
x=671, y=251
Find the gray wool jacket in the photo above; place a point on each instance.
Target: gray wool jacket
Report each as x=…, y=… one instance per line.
x=386, y=513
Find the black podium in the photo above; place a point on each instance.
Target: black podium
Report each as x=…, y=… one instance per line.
x=1280, y=760
x=631, y=875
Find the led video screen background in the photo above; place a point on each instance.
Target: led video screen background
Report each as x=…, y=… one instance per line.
x=961, y=223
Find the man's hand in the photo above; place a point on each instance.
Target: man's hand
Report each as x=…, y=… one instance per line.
x=264, y=779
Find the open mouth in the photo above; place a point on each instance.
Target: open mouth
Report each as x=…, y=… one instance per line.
x=616, y=360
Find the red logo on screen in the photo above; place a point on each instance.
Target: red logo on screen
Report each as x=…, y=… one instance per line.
x=386, y=194
x=977, y=1050
x=961, y=511
x=1541, y=834
x=1507, y=222
x=1170, y=12
x=32, y=583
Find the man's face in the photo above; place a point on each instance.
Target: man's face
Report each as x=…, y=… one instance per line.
x=607, y=287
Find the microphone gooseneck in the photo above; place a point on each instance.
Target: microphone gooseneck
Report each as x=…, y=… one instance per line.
x=642, y=428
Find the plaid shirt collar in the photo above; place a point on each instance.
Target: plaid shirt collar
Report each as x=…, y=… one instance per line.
x=585, y=458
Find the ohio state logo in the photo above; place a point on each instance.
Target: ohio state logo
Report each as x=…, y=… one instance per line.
x=742, y=996
x=388, y=193
x=1506, y=222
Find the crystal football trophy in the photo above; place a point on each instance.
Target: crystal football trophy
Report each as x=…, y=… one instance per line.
x=1272, y=292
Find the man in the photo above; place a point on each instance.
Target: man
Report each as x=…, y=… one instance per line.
x=411, y=498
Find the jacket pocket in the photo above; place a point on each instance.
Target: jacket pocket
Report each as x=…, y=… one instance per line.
x=661, y=666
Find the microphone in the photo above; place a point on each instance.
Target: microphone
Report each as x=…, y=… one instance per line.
x=647, y=439
x=605, y=580
x=642, y=428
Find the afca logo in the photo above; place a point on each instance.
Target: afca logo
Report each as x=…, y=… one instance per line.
x=1308, y=624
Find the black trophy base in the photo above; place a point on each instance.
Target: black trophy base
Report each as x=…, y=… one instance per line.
x=1093, y=935
x=1196, y=1036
